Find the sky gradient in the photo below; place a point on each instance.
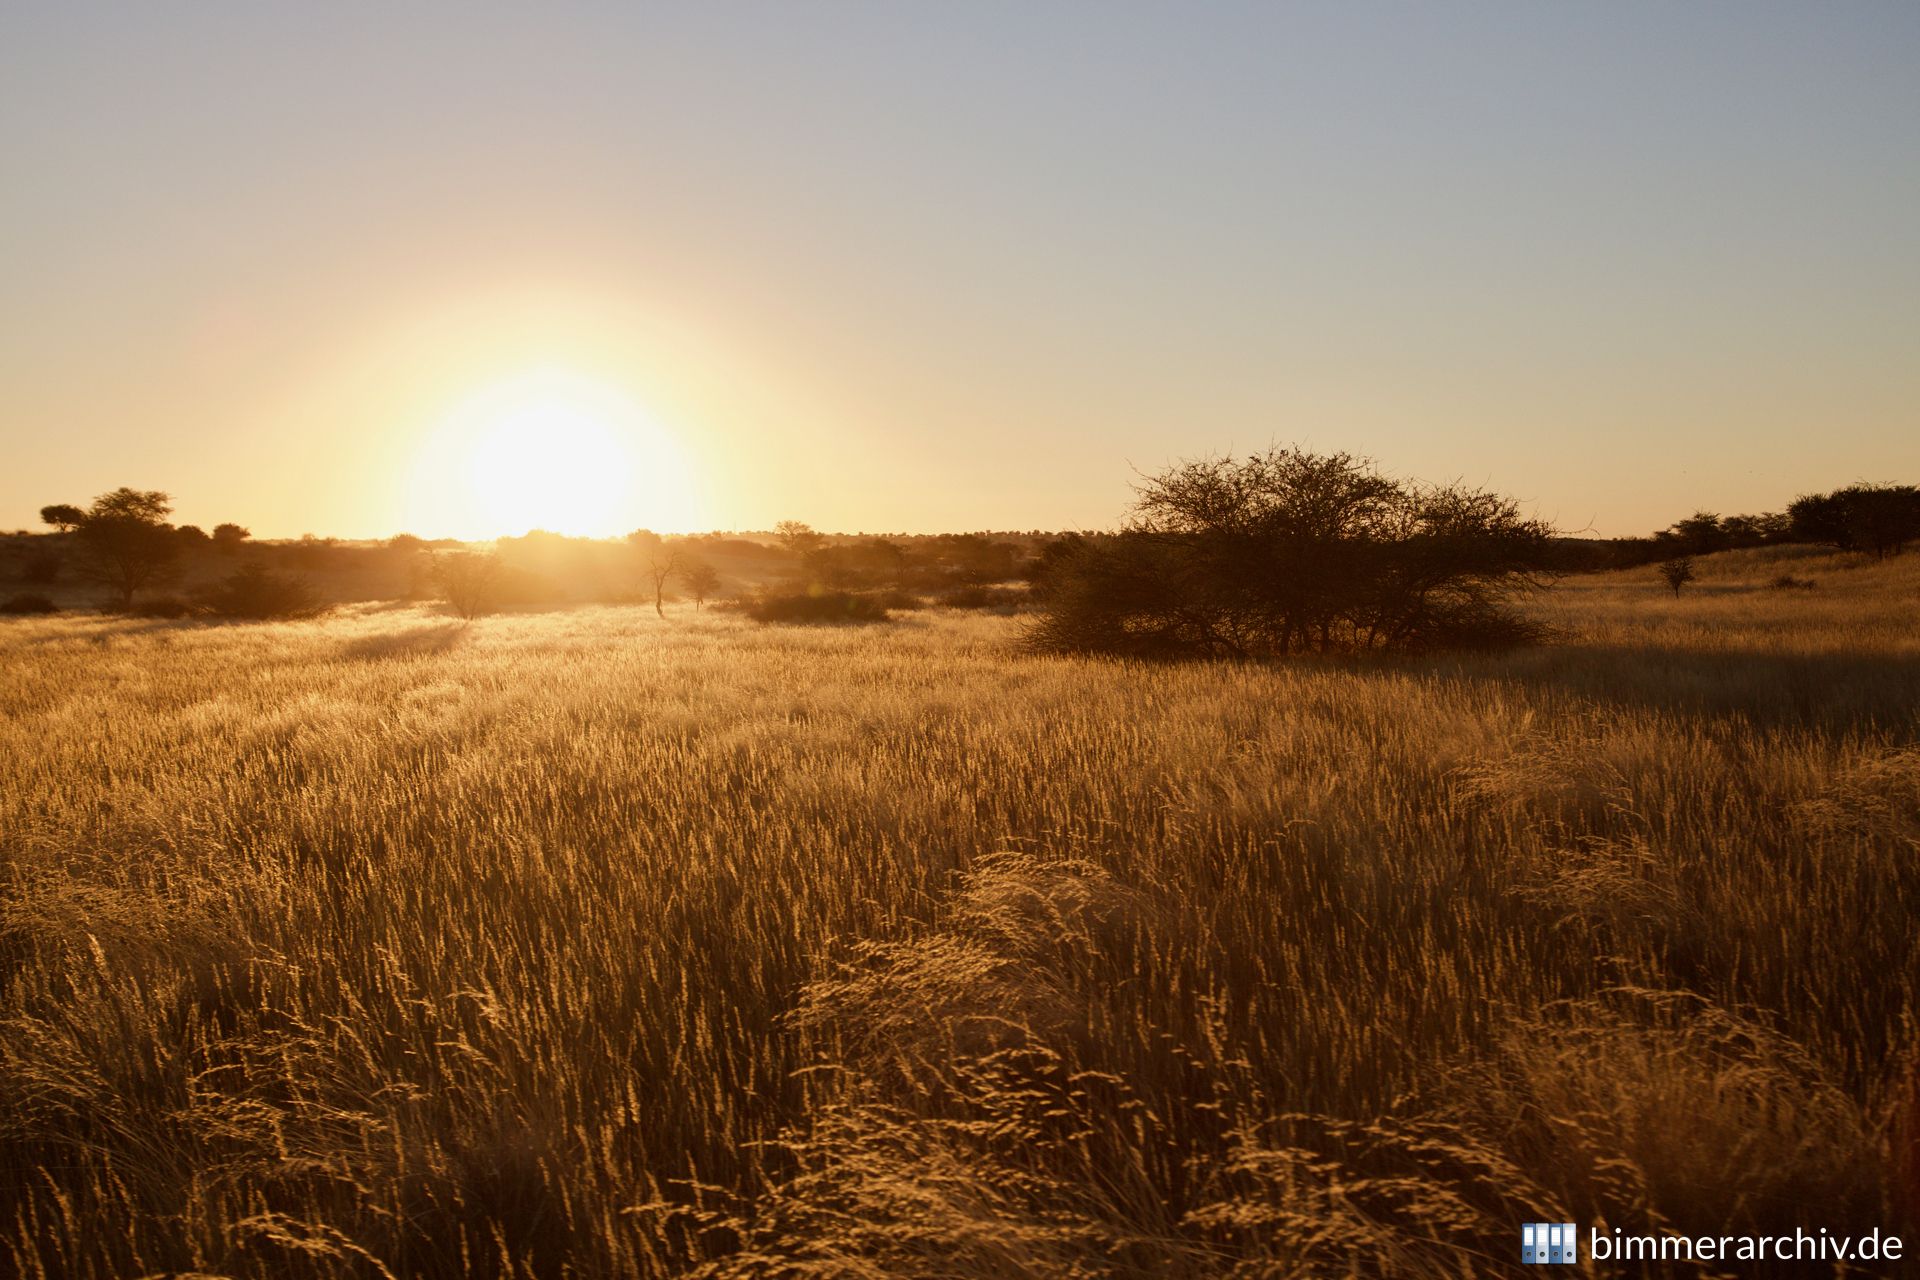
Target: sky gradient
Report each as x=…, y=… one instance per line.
x=910, y=267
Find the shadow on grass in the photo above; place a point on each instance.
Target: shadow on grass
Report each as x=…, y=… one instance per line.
x=418, y=642
x=1832, y=692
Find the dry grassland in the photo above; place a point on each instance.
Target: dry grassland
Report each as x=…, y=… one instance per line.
x=595, y=944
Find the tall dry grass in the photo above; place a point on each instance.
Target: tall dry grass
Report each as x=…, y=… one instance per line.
x=595, y=944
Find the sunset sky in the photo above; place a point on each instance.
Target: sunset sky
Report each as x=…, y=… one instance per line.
x=900, y=266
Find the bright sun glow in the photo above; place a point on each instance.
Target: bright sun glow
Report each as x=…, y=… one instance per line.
x=552, y=451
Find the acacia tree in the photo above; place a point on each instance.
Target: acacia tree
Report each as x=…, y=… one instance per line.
x=660, y=562
x=663, y=563
x=1701, y=532
x=1288, y=551
x=799, y=537
x=123, y=540
x=701, y=580
x=1677, y=573
x=1876, y=518
x=809, y=547
x=469, y=582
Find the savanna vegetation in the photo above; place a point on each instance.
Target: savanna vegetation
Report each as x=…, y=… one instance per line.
x=121, y=555
x=1287, y=552
x=619, y=942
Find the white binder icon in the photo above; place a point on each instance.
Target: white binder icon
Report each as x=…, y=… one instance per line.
x=1548, y=1242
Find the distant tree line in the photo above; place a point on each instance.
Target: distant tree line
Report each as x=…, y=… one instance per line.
x=1279, y=552
x=932, y=563
x=862, y=577
x=1877, y=519
x=1873, y=519
x=123, y=543
x=544, y=570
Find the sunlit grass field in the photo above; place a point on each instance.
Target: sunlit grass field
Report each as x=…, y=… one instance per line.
x=597, y=944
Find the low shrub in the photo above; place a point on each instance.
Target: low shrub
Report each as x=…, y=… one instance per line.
x=1787, y=582
x=1289, y=552
x=28, y=602
x=468, y=582
x=817, y=606
x=1677, y=573
x=255, y=591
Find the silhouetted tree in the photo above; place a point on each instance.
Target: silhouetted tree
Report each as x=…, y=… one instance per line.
x=191, y=535
x=701, y=580
x=1701, y=533
x=1677, y=573
x=1755, y=530
x=122, y=541
x=1288, y=551
x=1876, y=518
x=469, y=582
x=660, y=565
x=228, y=537
x=819, y=563
x=798, y=538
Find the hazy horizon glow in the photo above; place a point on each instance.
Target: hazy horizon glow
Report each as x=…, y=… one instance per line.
x=550, y=449
x=917, y=268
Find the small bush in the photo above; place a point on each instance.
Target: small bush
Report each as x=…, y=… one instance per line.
x=469, y=583
x=1787, y=582
x=1478, y=625
x=818, y=606
x=1677, y=573
x=29, y=602
x=255, y=591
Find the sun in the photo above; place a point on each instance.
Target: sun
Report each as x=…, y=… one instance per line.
x=555, y=451
x=550, y=465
